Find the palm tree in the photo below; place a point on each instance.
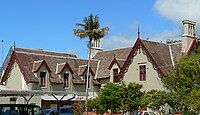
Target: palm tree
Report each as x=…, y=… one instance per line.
x=90, y=29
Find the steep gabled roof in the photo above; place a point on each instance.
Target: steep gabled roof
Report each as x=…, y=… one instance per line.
x=29, y=60
x=176, y=50
x=106, y=57
x=158, y=54
x=119, y=63
x=37, y=65
x=47, y=53
x=83, y=70
x=61, y=67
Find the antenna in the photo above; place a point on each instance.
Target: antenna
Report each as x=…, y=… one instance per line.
x=2, y=51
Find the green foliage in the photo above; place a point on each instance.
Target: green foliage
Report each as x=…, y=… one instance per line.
x=116, y=97
x=131, y=96
x=194, y=99
x=90, y=28
x=154, y=99
x=110, y=96
x=168, y=41
x=95, y=106
x=183, y=81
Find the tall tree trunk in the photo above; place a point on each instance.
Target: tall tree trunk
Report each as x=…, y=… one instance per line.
x=88, y=71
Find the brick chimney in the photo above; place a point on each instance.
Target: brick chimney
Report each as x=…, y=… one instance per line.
x=188, y=35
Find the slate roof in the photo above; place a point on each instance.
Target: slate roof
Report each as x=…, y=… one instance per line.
x=41, y=51
x=29, y=60
x=106, y=57
x=160, y=52
x=176, y=50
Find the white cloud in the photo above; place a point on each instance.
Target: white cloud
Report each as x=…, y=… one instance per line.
x=118, y=41
x=174, y=10
x=174, y=34
x=178, y=10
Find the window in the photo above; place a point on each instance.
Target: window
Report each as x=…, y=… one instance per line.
x=143, y=73
x=88, y=81
x=42, y=79
x=13, y=100
x=66, y=79
x=115, y=73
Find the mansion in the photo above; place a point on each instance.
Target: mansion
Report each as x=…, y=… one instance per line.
x=145, y=63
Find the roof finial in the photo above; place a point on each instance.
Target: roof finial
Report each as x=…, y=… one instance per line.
x=2, y=52
x=138, y=31
x=14, y=46
x=114, y=55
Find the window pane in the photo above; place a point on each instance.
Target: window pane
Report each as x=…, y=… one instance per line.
x=143, y=73
x=66, y=80
x=115, y=73
x=42, y=78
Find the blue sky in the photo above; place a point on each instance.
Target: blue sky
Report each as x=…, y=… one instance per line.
x=49, y=24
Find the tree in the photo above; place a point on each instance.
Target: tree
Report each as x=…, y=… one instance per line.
x=193, y=100
x=116, y=97
x=131, y=96
x=90, y=29
x=182, y=82
x=95, y=106
x=110, y=96
x=154, y=99
x=78, y=106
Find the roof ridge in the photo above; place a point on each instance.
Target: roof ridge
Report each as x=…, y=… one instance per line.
x=117, y=49
x=154, y=42
x=44, y=51
x=55, y=56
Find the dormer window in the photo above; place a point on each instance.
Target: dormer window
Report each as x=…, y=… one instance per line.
x=42, y=79
x=142, y=72
x=115, y=73
x=66, y=80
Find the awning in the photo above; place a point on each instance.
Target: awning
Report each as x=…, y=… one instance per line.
x=67, y=97
x=59, y=97
x=32, y=92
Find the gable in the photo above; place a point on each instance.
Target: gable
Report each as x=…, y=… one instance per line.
x=14, y=60
x=157, y=53
x=114, y=61
x=38, y=65
x=84, y=70
x=62, y=67
x=105, y=58
x=152, y=78
x=16, y=75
